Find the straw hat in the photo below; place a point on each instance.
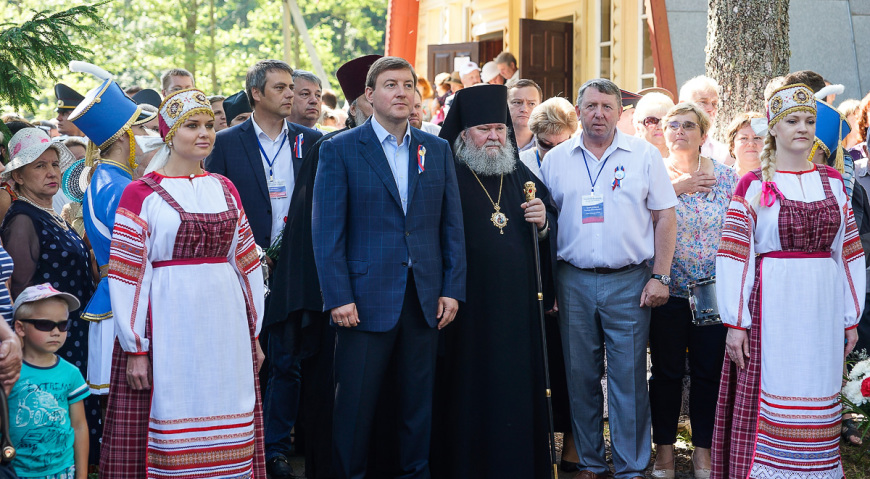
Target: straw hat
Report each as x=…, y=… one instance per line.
x=28, y=144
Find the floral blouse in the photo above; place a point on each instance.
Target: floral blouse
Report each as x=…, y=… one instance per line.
x=699, y=227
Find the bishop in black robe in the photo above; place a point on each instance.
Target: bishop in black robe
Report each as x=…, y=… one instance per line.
x=491, y=417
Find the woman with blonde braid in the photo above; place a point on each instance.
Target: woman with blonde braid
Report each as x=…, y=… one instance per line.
x=779, y=411
x=186, y=291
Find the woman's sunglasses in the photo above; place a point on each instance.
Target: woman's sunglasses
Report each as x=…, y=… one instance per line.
x=47, y=325
x=651, y=121
x=687, y=125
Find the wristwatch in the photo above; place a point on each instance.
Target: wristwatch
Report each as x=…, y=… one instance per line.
x=663, y=278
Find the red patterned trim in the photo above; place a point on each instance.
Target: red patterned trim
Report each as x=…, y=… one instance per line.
x=760, y=298
x=735, y=327
x=202, y=429
x=240, y=472
x=852, y=249
x=128, y=260
x=854, y=293
x=736, y=242
x=203, y=419
x=803, y=408
x=239, y=435
x=804, y=466
x=200, y=458
x=819, y=447
x=247, y=259
x=832, y=415
x=796, y=398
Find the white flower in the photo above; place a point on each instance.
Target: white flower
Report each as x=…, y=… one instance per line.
x=860, y=369
x=852, y=392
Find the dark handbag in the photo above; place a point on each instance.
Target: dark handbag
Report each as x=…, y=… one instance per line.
x=7, y=450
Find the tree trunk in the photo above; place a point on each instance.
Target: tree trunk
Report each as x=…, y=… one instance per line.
x=747, y=46
x=338, y=48
x=297, y=48
x=212, y=50
x=189, y=36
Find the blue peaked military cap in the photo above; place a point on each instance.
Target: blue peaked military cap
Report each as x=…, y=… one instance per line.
x=831, y=126
x=105, y=113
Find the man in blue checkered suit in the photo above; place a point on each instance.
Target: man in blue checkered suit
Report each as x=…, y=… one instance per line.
x=390, y=254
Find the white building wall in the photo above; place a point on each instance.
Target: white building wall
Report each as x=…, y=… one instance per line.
x=822, y=38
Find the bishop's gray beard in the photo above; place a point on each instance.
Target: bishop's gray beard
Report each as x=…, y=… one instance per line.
x=482, y=162
x=359, y=117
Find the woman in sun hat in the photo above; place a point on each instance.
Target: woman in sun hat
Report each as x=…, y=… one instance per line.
x=45, y=248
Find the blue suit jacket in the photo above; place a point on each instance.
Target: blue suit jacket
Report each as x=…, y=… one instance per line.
x=363, y=240
x=237, y=156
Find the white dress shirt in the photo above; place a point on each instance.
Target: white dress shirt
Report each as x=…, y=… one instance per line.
x=397, y=156
x=282, y=169
x=626, y=236
x=431, y=128
x=530, y=159
x=530, y=145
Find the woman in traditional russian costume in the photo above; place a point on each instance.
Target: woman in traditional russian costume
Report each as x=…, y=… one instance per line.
x=187, y=297
x=788, y=223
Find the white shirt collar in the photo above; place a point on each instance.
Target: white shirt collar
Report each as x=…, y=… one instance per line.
x=261, y=134
x=619, y=141
x=382, y=133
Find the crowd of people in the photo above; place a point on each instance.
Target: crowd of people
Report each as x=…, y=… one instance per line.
x=432, y=279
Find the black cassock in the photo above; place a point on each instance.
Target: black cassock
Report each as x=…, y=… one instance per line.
x=490, y=401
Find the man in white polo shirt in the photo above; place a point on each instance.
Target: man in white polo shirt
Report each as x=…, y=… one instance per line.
x=616, y=213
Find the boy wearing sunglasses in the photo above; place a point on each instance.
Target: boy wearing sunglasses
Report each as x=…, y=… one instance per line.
x=47, y=416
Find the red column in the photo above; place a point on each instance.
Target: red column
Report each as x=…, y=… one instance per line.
x=402, y=24
x=660, y=38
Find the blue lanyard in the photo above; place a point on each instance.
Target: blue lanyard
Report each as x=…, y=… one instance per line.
x=274, y=158
x=585, y=162
x=538, y=157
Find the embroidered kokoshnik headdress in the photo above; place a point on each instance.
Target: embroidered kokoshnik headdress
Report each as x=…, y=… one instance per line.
x=784, y=101
x=174, y=111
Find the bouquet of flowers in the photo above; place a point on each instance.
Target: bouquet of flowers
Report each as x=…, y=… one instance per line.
x=855, y=394
x=856, y=391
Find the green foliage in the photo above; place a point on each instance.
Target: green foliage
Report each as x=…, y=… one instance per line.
x=39, y=46
x=147, y=37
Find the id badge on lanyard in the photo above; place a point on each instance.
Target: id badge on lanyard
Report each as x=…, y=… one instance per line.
x=593, y=208
x=592, y=205
x=277, y=187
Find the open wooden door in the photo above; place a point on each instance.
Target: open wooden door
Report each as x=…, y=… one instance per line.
x=440, y=57
x=489, y=49
x=545, y=56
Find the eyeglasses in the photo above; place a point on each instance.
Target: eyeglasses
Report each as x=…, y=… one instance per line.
x=47, y=325
x=651, y=121
x=686, y=125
